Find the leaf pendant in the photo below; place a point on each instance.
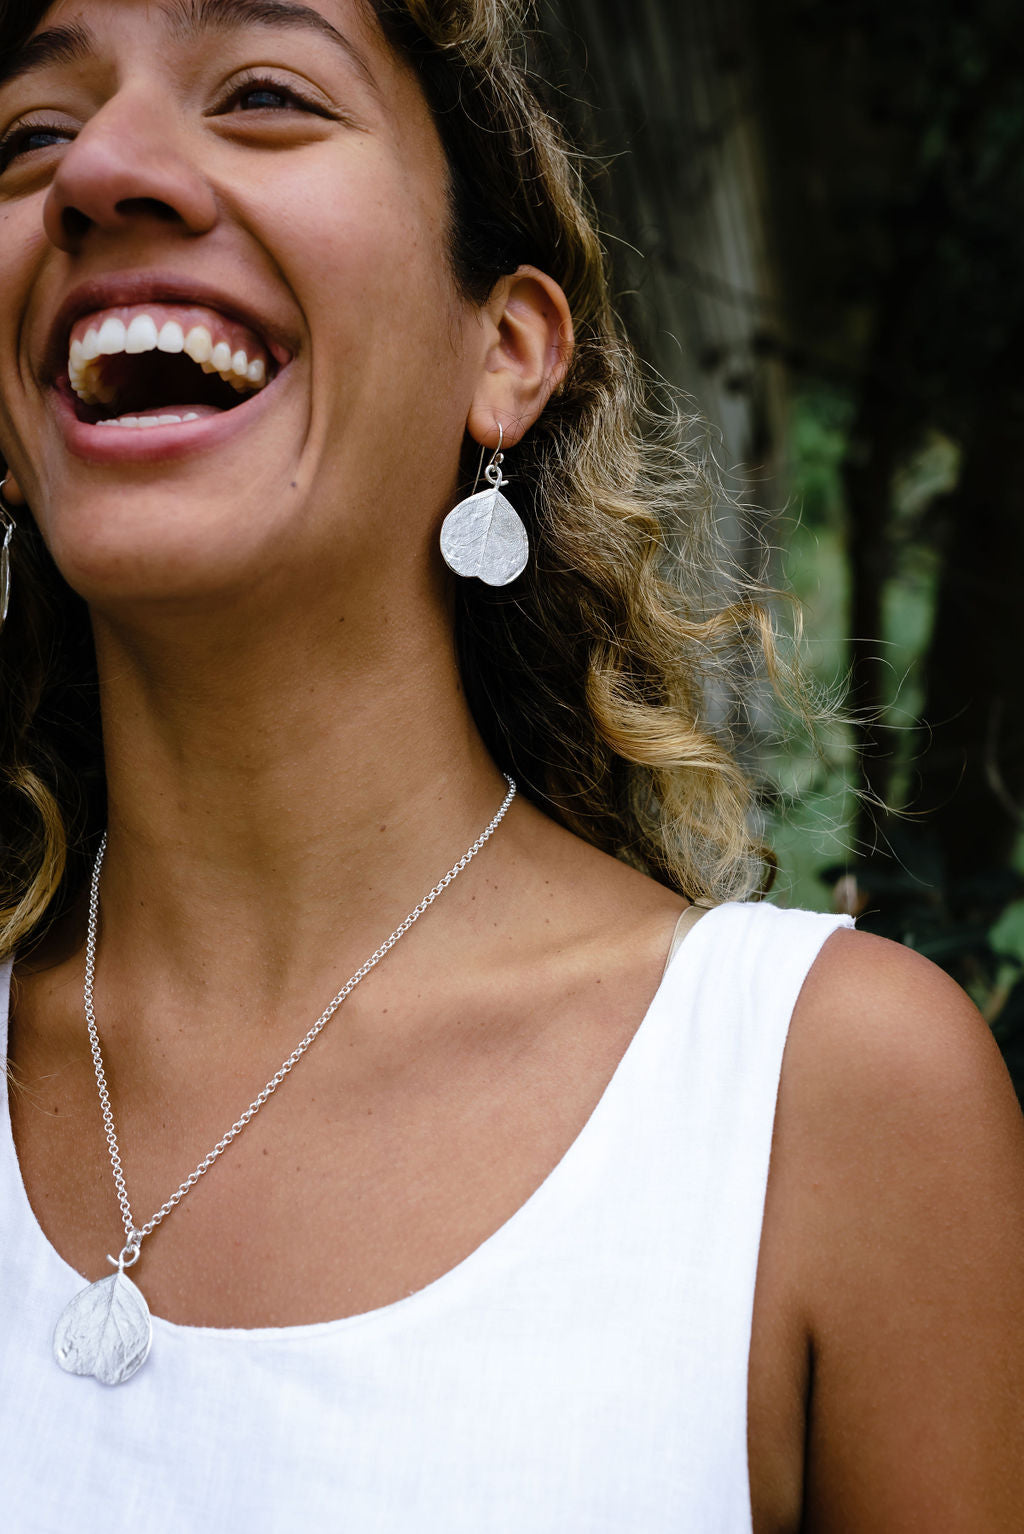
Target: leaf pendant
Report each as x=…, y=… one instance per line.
x=106, y=1331
x=483, y=536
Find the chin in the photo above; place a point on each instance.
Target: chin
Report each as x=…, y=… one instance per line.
x=124, y=550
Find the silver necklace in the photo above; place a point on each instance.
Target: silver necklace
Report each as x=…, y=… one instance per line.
x=107, y=1330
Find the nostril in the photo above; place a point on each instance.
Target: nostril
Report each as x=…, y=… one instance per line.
x=147, y=207
x=75, y=223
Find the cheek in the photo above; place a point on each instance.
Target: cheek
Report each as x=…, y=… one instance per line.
x=21, y=238
x=371, y=256
x=22, y=246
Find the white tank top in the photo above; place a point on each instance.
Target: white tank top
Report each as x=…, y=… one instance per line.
x=584, y=1371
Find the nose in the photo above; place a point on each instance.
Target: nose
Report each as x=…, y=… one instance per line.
x=126, y=166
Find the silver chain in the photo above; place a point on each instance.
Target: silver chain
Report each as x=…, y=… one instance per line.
x=134, y=1235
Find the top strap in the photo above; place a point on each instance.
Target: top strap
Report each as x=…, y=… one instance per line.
x=685, y=925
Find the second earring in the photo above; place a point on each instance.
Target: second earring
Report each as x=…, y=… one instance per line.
x=9, y=528
x=483, y=535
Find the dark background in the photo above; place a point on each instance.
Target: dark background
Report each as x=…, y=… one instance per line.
x=816, y=215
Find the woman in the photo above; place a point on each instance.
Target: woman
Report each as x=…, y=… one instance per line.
x=271, y=277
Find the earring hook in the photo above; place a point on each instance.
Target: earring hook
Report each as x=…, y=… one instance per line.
x=497, y=459
x=492, y=473
x=5, y=557
x=8, y=519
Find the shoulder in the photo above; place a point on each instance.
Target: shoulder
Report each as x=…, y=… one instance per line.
x=899, y=1181
x=895, y=1093
x=891, y=1032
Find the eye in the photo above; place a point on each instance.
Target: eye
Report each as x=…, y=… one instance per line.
x=258, y=94
x=260, y=98
x=31, y=138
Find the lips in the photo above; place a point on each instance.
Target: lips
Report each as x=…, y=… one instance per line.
x=167, y=400
x=213, y=360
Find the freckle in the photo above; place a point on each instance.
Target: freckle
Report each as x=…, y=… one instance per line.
x=265, y=1151
x=383, y=828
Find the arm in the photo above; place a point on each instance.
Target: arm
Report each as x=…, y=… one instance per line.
x=902, y=1144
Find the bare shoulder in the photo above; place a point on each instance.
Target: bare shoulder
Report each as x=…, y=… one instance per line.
x=900, y=1155
x=892, y=1024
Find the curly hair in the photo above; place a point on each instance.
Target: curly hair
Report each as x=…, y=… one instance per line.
x=594, y=678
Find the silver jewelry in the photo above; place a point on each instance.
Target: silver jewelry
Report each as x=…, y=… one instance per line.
x=483, y=535
x=10, y=528
x=106, y=1330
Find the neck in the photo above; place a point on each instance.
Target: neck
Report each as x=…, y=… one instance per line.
x=278, y=803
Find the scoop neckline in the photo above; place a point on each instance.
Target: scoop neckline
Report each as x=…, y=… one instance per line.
x=458, y=1275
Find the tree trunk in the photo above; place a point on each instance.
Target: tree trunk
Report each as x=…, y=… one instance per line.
x=972, y=776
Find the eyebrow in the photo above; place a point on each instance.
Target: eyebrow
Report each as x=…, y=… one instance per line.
x=190, y=19
x=57, y=45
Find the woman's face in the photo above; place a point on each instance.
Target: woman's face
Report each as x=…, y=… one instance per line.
x=231, y=349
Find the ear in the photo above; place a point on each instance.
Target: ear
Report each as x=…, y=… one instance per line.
x=529, y=341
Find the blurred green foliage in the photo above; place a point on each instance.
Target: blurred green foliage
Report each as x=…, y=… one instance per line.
x=894, y=141
x=817, y=838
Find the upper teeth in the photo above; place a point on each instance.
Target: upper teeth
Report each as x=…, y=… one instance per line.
x=112, y=337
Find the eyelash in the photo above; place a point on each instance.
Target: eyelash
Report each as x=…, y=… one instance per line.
x=256, y=82
x=14, y=143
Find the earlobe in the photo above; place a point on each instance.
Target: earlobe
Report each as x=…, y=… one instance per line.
x=10, y=491
x=530, y=348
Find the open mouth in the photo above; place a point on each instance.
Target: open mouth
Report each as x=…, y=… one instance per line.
x=153, y=364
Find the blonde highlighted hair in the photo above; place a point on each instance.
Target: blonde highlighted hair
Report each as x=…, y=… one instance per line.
x=592, y=678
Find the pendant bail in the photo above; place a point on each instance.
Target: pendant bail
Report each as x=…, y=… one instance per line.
x=129, y=1253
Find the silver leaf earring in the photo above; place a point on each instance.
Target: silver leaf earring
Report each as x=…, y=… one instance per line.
x=10, y=527
x=483, y=535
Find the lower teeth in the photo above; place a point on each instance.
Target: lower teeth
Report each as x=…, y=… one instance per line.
x=150, y=420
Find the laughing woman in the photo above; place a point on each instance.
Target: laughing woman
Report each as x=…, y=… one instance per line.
x=366, y=1168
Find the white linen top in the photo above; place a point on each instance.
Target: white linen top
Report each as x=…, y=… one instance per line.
x=584, y=1371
